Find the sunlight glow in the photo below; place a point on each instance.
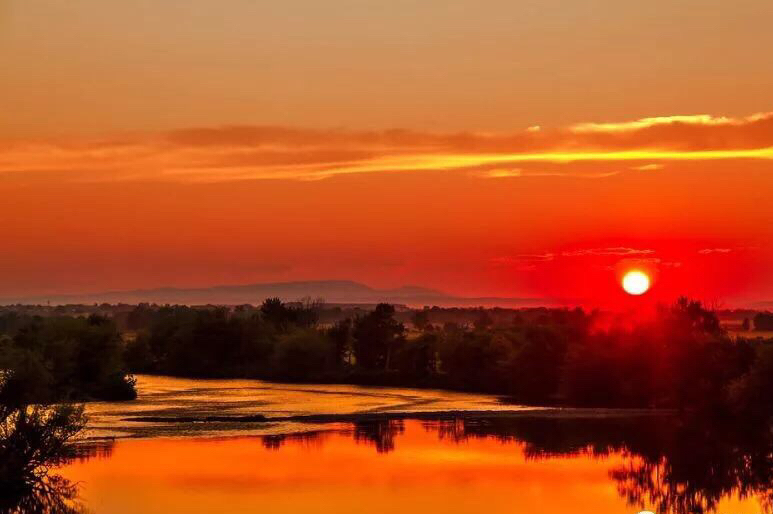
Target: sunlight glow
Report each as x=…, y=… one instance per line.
x=636, y=283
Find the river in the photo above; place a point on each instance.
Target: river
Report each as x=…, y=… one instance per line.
x=348, y=449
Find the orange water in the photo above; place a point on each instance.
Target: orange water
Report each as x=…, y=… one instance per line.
x=178, y=397
x=335, y=473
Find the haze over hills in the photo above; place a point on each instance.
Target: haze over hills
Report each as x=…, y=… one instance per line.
x=332, y=291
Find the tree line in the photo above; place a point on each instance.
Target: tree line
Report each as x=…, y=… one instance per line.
x=679, y=358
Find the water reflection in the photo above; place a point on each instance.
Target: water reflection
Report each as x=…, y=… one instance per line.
x=691, y=468
x=663, y=464
x=379, y=433
x=276, y=441
x=54, y=494
x=670, y=464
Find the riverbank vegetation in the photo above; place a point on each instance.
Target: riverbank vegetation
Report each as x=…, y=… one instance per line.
x=45, y=365
x=63, y=358
x=679, y=358
x=33, y=439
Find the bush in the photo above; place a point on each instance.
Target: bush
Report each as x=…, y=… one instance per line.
x=65, y=359
x=752, y=393
x=33, y=438
x=304, y=355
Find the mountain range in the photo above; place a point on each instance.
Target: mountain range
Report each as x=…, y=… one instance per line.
x=332, y=291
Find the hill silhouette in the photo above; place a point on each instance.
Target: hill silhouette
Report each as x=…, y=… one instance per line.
x=332, y=291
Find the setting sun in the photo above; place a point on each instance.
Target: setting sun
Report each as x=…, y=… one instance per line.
x=636, y=283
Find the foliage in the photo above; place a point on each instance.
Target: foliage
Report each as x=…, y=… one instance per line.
x=33, y=438
x=64, y=358
x=763, y=321
x=377, y=335
x=680, y=357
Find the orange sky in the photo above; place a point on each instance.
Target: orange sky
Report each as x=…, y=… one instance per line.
x=482, y=148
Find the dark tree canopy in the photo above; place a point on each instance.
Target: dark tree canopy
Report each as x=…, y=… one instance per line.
x=376, y=337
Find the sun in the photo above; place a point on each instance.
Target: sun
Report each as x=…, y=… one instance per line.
x=636, y=282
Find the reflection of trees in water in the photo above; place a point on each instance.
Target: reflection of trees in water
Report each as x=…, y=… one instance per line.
x=547, y=437
x=92, y=450
x=670, y=465
x=380, y=433
x=697, y=465
x=674, y=466
x=52, y=494
x=276, y=441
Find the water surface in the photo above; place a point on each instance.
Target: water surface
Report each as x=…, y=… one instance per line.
x=385, y=467
x=388, y=450
x=167, y=397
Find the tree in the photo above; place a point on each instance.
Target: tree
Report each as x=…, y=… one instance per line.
x=66, y=358
x=376, y=335
x=420, y=320
x=33, y=438
x=276, y=313
x=418, y=357
x=763, y=321
x=304, y=354
x=483, y=321
x=752, y=394
x=341, y=335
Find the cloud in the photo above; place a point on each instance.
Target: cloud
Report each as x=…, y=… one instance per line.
x=501, y=173
x=510, y=259
x=520, y=172
x=529, y=262
x=229, y=153
x=648, y=167
x=644, y=123
x=607, y=258
x=617, y=251
x=613, y=251
x=709, y=251
x=522, y=262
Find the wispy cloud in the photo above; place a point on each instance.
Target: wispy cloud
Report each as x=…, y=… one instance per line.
x=709, y=251
x=261, y=153
x=510, y=259
x=522, y=262
x=530, y=262
x=705, y=120
x=607, y=258
x=614, y=251
x=648, y=167
x=519, y=172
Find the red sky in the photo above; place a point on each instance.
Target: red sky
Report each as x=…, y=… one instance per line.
x=517, y=148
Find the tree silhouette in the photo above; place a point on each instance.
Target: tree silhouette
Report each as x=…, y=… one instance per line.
x=376, y=337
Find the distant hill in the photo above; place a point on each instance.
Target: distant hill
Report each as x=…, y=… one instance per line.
x=332, y=291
